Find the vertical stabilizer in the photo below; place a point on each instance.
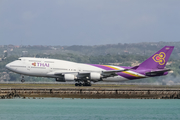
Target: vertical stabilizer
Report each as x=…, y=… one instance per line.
x=158, y=60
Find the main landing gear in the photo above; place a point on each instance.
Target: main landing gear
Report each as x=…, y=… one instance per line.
x=83, y=84
x=22, y=80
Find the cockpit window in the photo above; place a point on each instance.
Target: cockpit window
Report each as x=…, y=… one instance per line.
x=19, y=59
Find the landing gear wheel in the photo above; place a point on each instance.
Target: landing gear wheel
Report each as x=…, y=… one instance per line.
x=22, y=80
x=87, y=84
x=78, y=84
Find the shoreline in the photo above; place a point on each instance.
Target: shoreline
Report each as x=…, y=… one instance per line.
x=93, y=92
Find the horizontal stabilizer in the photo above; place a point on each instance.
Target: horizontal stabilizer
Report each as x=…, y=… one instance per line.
x=160, y=71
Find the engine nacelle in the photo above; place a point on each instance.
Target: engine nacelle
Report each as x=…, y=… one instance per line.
x=95, y=76
x=69, y=77
x=66, y=78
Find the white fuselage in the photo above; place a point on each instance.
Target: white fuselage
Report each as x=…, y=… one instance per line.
x=41, y=67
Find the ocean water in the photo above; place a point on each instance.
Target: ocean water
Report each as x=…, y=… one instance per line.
x=89, y=109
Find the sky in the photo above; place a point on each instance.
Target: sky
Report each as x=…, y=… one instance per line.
x=88, y=22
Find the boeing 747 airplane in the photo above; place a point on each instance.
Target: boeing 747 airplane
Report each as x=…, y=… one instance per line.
x=83, y=74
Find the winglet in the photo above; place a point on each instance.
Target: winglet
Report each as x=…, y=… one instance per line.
x=158, y=60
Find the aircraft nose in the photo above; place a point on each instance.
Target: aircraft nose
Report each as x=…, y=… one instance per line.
x=7, y=66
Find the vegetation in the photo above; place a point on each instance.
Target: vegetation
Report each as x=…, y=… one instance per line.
x=118, y=54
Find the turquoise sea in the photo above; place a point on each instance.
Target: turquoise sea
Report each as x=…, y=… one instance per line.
x=89, y=109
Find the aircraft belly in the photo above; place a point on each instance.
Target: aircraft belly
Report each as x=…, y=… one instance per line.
x=20, y=71
x=115, y=79
x=39, y=73
x=31, y=72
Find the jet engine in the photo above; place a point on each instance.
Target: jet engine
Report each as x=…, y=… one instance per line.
x=69, y=77
x=66, y=78
x=95, y=76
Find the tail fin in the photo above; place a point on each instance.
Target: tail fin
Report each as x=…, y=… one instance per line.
x=158, y=60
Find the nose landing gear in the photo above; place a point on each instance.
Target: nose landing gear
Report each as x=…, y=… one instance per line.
x=22, y=80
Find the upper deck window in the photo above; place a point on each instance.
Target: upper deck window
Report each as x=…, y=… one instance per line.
x=34, y=61
x=49, y=61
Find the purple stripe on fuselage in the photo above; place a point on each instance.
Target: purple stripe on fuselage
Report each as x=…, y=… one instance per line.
x=127, y=76
x=101, y=66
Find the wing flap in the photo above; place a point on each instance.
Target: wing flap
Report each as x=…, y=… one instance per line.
x=112, y=73
x=115, y=71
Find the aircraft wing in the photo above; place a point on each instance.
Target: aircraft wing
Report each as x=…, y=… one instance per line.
x=104, y=74
x=114, y=71
x=111, y=73
x=59, y=73
x=62, y=73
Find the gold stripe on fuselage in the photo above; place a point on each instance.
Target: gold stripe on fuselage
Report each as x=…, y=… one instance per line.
x=126, y=72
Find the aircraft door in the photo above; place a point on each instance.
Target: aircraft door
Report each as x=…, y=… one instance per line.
x=29, y=66
x=79, y=69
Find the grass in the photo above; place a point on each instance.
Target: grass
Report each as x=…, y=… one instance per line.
x=52, y=85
